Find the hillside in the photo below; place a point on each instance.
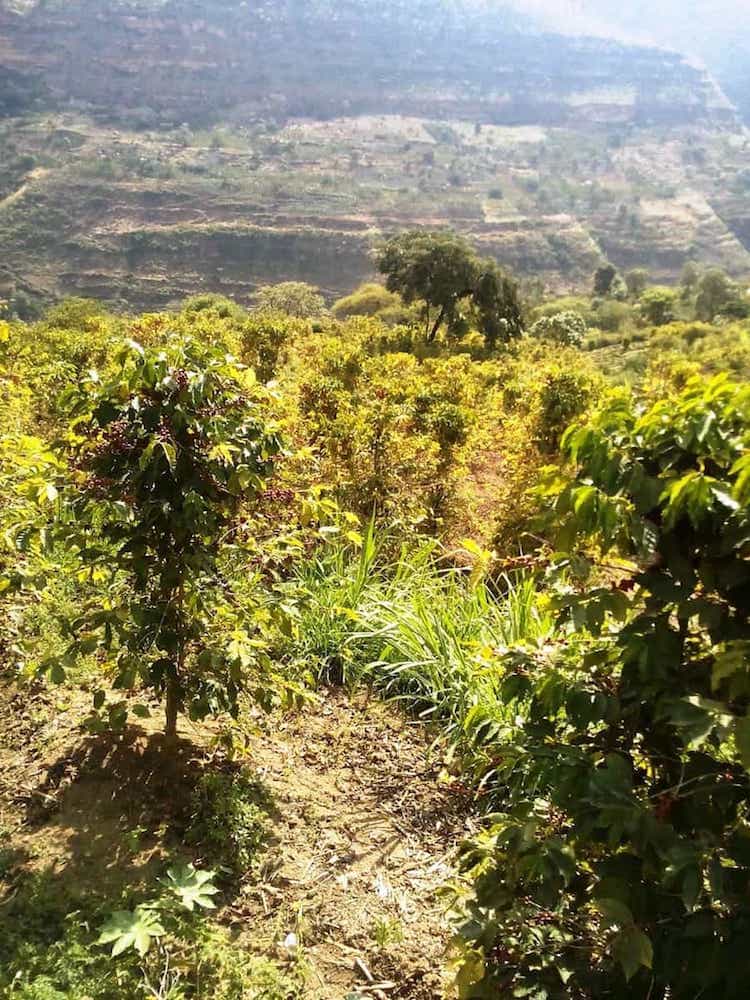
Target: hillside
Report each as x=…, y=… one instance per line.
x=230, y=537
x=150, y=150
x=715, y=31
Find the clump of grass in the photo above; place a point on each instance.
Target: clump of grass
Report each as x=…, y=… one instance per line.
x=423, y=635
x=387, y=931
x=438, y=635
x=333, y=585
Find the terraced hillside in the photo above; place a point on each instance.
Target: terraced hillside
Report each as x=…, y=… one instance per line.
x=152, y=150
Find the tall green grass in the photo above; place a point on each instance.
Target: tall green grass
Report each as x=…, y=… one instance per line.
x=420, y=632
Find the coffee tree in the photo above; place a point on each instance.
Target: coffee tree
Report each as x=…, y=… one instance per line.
x=165, y=454
x=620, y=863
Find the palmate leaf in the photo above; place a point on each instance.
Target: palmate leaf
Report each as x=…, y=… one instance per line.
x=192, y=887
x=131, y=929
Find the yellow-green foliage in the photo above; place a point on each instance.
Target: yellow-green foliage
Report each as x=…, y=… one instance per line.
x=15, y=393
x=45, y=357
x=295, y=298
x=445, y=442
x=609, y=314
x=374, y=300
x=710, y=349
x=439, y=437
x=567, y=303
x=656, y=304
x=535, y=391
x=383, y=429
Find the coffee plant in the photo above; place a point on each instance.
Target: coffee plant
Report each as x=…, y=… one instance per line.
x=164, y=454
x=620, y=863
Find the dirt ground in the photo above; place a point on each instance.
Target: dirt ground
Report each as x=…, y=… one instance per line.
x=363, y=837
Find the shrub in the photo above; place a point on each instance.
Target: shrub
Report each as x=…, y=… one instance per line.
x=368, y=300
x=165, y=452
x=295, y=298
x=619, y=865
x=657, y=304
x=564, y=395
x=265, y=338
x=717, y=295
x=567, y=328
x=636, y=281
x=611, y=315
x=229, y=819
x=567, y=303
x=219, y=305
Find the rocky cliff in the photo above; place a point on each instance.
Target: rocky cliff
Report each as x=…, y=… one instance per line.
x=195, y=60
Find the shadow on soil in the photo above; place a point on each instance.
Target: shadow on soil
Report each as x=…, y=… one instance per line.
x=100, y=831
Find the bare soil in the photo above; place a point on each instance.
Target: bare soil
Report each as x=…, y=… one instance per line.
x=364, y=830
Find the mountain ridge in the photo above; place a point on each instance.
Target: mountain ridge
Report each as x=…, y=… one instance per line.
x=189, y=60
x=152, y=150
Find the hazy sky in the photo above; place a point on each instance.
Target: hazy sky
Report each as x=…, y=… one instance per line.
x=699, y=25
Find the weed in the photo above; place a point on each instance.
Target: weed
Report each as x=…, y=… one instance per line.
x=133, y=839
x=229, y=819
x=386, y=931
x=49, y=950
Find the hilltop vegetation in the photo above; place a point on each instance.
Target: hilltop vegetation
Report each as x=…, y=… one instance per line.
x=534, y=544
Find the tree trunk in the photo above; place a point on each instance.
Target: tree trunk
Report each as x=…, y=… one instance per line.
x=436, y=326
x=170, y=728
x=173, y=680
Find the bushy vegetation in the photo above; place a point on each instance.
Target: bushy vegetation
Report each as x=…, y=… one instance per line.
x=535, y=543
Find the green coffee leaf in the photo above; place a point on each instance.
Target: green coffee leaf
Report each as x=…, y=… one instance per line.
x=614, y=911
x=633, y=950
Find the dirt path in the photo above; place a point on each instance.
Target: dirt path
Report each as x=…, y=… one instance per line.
x=363, y=834
x=365, y=841
x=16, y=195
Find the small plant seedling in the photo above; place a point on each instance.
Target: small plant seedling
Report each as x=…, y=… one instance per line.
x=387, y=931
x=133, y=839
x=138, y=928
x=192, y=887
x=132, y=929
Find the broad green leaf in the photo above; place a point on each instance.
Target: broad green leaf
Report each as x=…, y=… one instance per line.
x=57, y=673
x=131, y=929
x=222, y=452
x=633, y=950
x=192, y=887
x=742, y=737
x=614, y=911
x=169, y=453
x=470, y=973
x=692, y=883
x=741, y=469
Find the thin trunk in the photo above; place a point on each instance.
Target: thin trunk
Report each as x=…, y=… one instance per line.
x=173, y=681
x=170, y=728
x=436, y=326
